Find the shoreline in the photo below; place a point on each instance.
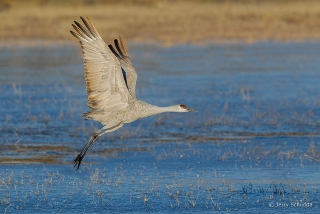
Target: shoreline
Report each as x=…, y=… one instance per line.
x=167, y=23
x=25, y=43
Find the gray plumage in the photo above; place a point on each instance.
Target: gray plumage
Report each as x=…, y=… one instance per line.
x=111, y=84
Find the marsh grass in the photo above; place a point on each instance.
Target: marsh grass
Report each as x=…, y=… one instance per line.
x=164, y=21
x=146, y=187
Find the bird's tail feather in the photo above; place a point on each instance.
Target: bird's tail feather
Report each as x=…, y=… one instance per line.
x=96, y=115
x=87, y=115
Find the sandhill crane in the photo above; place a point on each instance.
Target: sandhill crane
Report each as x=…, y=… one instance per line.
x=110, y=84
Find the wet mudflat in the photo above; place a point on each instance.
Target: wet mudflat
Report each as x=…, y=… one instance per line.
x=253, y=145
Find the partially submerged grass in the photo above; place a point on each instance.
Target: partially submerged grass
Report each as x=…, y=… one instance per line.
x=145, y=189
x=167, y=22
x=26, y=154
x=52, y=159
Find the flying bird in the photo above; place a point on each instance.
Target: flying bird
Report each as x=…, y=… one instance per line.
x=110, y=85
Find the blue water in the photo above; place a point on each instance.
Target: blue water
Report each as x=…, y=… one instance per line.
x=253, y=145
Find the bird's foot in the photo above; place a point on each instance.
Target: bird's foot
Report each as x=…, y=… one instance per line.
x=78, y=160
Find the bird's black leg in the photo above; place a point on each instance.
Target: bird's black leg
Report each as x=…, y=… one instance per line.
x=81, y=155
x=78, y=160
x=92, y=139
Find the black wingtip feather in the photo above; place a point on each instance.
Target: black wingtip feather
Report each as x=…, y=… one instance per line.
x=88, y=26
x=116, y=42
x=83, y=29
x=75, y=35
x=114, y=51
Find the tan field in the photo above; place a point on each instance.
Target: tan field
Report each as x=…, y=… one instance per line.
x=167, y=22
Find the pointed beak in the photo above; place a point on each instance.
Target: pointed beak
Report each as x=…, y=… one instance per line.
x=191, y=110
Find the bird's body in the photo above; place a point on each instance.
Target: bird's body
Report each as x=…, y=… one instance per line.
x=110, y=83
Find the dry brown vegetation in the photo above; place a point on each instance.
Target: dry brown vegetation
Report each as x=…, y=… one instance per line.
x=164, y=21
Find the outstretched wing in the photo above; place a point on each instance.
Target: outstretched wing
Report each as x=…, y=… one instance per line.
x=106, y=87
x=129, y=72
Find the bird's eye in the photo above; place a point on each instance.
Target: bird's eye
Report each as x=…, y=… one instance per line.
x=183, y=106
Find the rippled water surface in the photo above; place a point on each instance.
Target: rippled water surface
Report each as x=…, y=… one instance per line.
x=253, y=145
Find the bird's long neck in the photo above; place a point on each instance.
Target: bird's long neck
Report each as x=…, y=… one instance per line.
x=169, y=109
x=152, y=110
